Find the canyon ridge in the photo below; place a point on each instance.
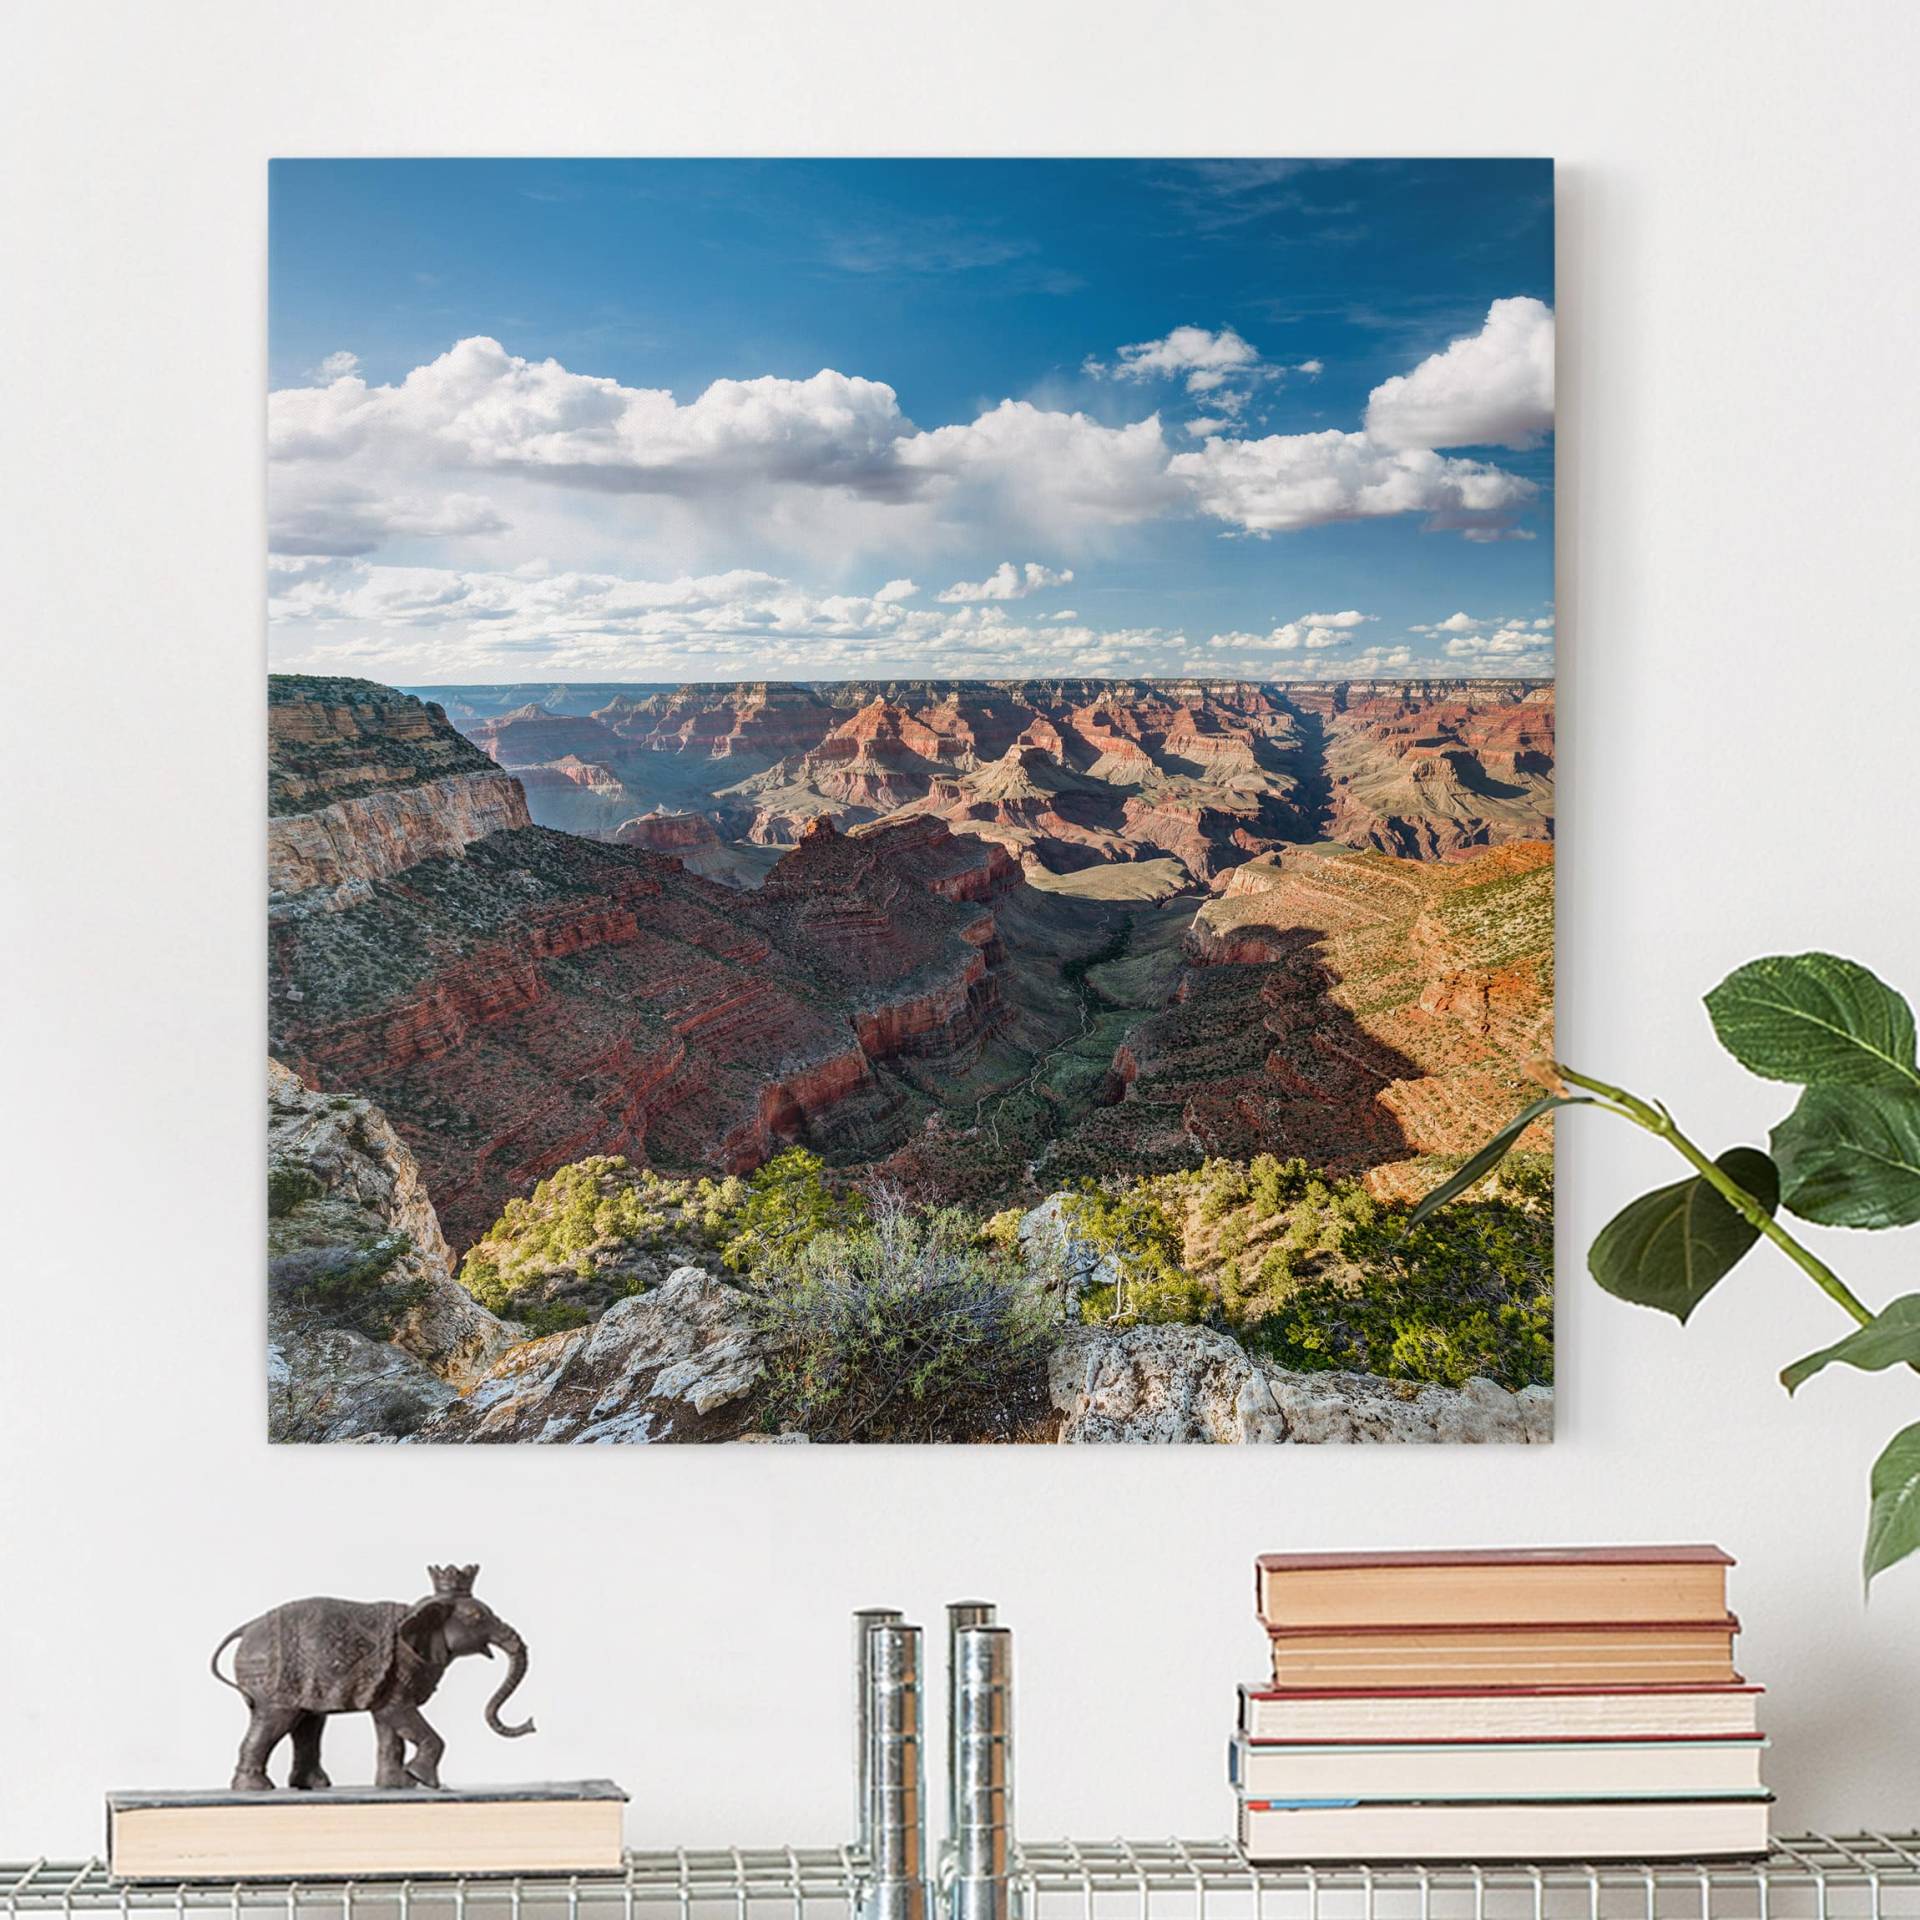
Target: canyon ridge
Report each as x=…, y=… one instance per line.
x=974, y=945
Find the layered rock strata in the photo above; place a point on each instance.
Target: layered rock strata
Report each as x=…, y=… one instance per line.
x=532, y=998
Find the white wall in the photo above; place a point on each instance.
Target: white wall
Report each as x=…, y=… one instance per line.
x=1739, y=577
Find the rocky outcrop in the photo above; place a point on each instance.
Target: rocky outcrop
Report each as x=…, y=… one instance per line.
x=1059, y=1258
x=678, y=1364
x=331, y=1384
x=368, y=1329
x=1158, y=1385
x=364, y=783
x=329, y=859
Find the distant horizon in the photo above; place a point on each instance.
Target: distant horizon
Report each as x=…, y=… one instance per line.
x=942, y=680
x=656, y=421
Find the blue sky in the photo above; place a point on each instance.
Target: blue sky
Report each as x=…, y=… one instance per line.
x=662, y=419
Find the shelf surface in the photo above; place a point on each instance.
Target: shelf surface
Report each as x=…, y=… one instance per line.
x=1859, y=1876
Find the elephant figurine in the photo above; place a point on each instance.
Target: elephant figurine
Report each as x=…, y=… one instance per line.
x=310, y=1658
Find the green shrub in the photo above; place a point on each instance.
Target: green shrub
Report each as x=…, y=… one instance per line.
x=784, y=1206
x=1310, y=1271
x=288, y=1186
x=352, y=1286
x=903, y=1327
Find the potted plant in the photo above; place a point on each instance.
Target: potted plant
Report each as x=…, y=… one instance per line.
x=1847, y=1155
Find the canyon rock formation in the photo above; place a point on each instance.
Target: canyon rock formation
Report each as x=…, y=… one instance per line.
x=1064, y=773
x=521, y=999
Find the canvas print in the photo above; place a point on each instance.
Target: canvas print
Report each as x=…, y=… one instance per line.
x=908, y=801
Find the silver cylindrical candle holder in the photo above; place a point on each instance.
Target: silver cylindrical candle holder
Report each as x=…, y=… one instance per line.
x=960, y=1614
x=863, y=1623
x=897, y=1889
x=982, y=1707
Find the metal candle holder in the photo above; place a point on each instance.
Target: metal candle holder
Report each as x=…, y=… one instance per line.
x=961, y=1614
x=863, y=1623
x=889, y=1719
x=981, y=1836
x=896, y=1782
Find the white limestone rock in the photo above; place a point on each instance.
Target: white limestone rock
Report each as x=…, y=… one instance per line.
x=1152, y=1385
x=679, y=1363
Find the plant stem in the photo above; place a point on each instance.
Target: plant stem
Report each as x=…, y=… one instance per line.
x=1657, y=1120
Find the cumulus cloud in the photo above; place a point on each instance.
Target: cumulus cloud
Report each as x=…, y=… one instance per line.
x=1206, y=359
x=1007, y=582
x=1065, y=613
x=1059, y=470
x=764, y=468
x=1313, y=369
x=1288, y=481
x=1491, y=388
x=478, y=406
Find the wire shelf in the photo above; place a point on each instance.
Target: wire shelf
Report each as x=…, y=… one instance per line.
x=1861, y=1876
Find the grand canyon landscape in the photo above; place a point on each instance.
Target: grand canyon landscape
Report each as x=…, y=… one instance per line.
x=979, y=946
x=909, y=801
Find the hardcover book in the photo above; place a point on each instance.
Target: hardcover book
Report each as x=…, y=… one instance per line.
x=1503, y=1654
x=344, y=1833
x=1729, y=1710
x=1277, y=1832
x=1462, y=1769
x=1519, y=1584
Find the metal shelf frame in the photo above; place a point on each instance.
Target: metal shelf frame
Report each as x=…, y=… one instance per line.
x=981, y=1872
x=1857, y=1876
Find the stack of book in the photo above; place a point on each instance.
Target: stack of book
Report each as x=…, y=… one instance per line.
x=1549, y=1704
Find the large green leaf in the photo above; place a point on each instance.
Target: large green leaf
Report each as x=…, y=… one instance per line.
x=1891, y=1336
x=1893, y=1521
x=1671, y=1247
x=1815, y=1019
x=1496, y=1150
x=1850, y=1156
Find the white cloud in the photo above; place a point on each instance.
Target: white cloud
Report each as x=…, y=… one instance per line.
x=1313, y=369
x=896, y=590
x=1491, y=388
x=1058, y=471
x=479, y=442
x=344, y=518
x=1310, y=632
x=437, y=623
x=1520, y=646
x=1288, y=481
x=478, y=406
x=1007, y=582
x=1206, y=359
x=1065, y=613
x=337, y=366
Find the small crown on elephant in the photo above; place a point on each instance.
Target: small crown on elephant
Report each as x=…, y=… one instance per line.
x=452, y=1579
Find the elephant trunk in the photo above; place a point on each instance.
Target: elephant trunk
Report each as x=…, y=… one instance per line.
x=515, y=1649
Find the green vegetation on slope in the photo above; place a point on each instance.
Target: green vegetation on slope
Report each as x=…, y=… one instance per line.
x=1310, y=1272
x=890, y=1322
